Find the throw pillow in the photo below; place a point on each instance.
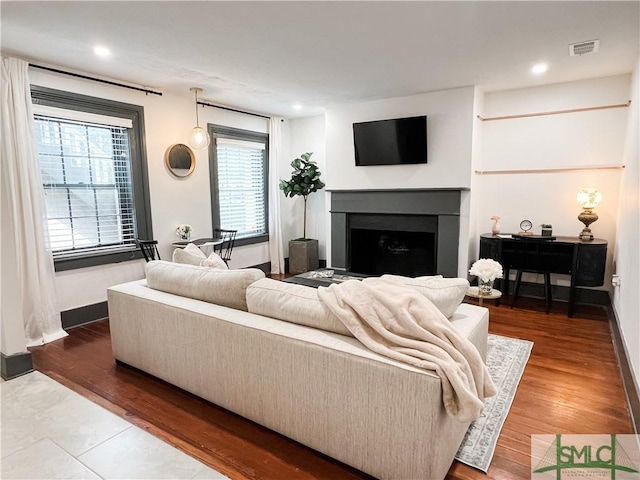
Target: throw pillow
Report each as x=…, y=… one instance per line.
x=222, y=287
x=445, y=293
x=292, y=303
x=190, y=254
x=214, y=261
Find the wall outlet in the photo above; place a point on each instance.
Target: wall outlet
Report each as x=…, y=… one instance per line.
x=615, y=280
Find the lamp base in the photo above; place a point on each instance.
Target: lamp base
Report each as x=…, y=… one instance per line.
x=586, y=235
x=587, y=216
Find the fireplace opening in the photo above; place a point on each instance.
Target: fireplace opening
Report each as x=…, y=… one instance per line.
x=376, y=252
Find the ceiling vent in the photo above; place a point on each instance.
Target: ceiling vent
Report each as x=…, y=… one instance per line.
x=583, y=48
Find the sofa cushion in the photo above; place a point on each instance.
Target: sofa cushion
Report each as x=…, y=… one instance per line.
x=292, y=303
x=445, y=293
x=222, y=287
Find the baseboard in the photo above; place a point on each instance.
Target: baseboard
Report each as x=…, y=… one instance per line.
x=265, y=267
x=15, y=365
x=86, y=314
x=631, y=389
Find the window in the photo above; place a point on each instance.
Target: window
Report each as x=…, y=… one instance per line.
x=239, y=160
x=94, y=177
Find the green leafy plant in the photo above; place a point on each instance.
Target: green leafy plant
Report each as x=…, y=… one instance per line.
x=305, y=179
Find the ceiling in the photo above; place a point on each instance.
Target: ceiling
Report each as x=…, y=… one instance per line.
x=266, y=56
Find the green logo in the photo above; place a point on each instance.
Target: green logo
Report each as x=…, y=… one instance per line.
x=585, y=456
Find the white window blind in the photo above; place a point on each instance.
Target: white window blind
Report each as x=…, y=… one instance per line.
x=241, y=186
x=86, y=174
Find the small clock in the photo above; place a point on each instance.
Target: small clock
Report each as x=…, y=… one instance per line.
x=525, y=226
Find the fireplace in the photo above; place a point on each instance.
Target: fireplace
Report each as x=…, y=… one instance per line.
x=404, y=232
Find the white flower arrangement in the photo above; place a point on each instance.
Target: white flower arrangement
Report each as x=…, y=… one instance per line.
x=183, y=230
x=486, y=269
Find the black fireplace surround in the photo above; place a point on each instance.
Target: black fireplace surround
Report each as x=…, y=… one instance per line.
x=404, y=232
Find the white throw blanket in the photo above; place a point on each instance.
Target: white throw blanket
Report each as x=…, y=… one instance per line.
x=399, y=323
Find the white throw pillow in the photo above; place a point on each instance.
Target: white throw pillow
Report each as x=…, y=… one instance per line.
x=292, y=303
x=214, y=261
x=222, y=287
x=445, y=293
x=190, y=254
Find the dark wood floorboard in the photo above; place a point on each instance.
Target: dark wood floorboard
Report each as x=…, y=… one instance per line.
x=571, y=384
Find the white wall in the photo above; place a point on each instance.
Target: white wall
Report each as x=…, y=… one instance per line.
x=303, y=135
x=168, y=120
x=626, y=300
x=449, y=149
x=572, y=140
x=449, y=131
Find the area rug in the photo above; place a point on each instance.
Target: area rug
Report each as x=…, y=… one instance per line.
x=506, y=359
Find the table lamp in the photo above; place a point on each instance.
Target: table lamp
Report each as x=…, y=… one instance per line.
x=588, y=198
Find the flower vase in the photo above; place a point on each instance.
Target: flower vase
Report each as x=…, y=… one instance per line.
x=495, y=228
x=185, y=236
x=484, y=286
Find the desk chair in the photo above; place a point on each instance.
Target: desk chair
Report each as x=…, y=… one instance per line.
x=225, y=248
x=547, y=286
x=149, y=249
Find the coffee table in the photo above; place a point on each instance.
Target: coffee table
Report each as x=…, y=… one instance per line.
x=323, y=277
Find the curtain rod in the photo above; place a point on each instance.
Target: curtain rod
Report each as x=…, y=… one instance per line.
x=86, y=77
x=205, y=104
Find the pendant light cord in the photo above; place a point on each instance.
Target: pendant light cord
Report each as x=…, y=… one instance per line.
x=197, y=119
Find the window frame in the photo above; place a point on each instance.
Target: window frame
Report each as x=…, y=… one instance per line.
x=221, y=131
x=139, y=169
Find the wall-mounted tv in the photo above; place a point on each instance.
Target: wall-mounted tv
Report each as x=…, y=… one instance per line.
x=397, y=141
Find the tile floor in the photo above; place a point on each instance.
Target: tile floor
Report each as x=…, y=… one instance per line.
x=48, y=432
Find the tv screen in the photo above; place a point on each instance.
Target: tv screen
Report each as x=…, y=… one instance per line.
x=398, y=141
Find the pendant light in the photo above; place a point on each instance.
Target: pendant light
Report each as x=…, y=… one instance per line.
x=198, y=138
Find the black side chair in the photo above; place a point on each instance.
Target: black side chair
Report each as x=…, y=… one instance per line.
x=228, y=238
x=149, y=249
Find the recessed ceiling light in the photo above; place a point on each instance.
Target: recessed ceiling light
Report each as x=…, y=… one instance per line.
x=539, y=68
x=297, y=106
x=101, y=51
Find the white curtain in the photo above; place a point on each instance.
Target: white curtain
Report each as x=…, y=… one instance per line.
x=21, y=180
x=276, y=252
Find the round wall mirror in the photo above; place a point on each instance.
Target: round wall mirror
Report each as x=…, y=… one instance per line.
x=180, y=160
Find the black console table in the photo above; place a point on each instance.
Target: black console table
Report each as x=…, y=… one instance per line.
x=583, y=261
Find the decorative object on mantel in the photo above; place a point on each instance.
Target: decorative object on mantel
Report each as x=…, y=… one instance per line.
x=588, y=198
x=495, y=228
x=305, y=179
x=180, y=160
x=199, y=138
x=547, y=229
x=184, y=231
x=487, y=270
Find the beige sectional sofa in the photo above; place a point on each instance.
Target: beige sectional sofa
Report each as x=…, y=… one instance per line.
x=188, y=325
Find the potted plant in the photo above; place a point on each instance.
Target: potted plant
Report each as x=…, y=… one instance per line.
x=547, y=229
x=305, y=179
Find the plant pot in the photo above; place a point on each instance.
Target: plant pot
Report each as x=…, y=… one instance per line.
x=303, y=255
x=546, y=232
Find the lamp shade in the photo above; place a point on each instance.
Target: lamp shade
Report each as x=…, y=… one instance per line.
x=589, y=197
x=199, y=138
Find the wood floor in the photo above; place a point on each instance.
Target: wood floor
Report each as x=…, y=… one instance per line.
x=571, y=385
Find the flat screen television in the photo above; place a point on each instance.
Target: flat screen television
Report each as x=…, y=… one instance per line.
x=398, y=141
